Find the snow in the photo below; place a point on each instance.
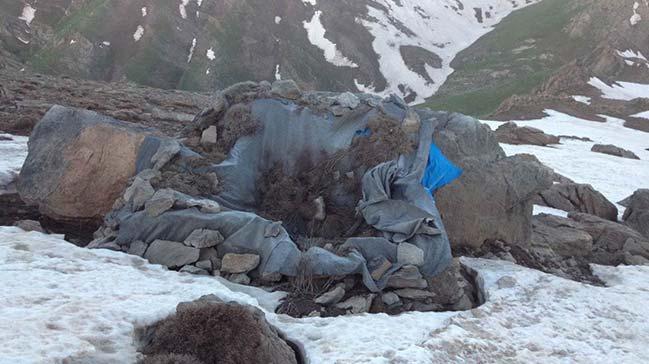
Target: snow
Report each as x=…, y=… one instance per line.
x=106, y=43
x=63, y=303
x=182, y=8
x=441, y=27
x=210, y=54
x=139, y=32
x=636, y=17
x=28, y=14
x=615, y=177
x=582, y=99
x=549, y=210
x=144, y=11
x=643, y=115
x=629, y=53
x=278, y=75
x=13, y=154
x=620, y=90
x=278, y=19
x=316, y=33
x=191, y=51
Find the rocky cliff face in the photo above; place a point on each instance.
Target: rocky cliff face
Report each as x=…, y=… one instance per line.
x=381, y=46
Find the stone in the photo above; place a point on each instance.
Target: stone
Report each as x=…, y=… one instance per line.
x=287, y=89
x=206, y=206
x=331, y=297
x=614, y=151
x=171, y=254
x=410, y=254
x=138, y=193
x=637, y=213
x=137, y=248
x=450, y=286
x=239, y=278
x=204, y=238
x=579, y=198
x=161, y=202
x=29, y=225
x=390, y=299
x=204, y=264
x=414, y=294
x=271, y=277
x=510, y=133
x=562, y=235
x=407, y=277
x=212, y=255
x=378, y=266
x=631, y=259
x=357, y=304
x=167, y=149
x=236, y=333
x=239, y=263
x=320, y=211
x=348, y=100
x=411, y=123
x=209, y=136
x=194, y=270
x=79, y=163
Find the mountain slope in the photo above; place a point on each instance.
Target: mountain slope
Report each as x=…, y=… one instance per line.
x=382, y=46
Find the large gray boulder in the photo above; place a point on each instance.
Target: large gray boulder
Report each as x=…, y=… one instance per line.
x=614, y=151
x=562, y=235
x=510, y=133
x=212, y=331
x=492, y=200
x=637, y=212
x=578, y=198
x=79, y=163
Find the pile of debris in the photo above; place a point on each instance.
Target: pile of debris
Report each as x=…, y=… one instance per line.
x=328, y=196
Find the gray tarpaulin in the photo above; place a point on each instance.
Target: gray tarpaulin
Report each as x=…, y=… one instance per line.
x=394, y=201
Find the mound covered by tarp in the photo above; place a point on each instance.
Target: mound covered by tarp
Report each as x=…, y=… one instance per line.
x=364, y=167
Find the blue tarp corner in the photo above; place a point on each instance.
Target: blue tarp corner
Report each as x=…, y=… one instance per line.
x=439, y=171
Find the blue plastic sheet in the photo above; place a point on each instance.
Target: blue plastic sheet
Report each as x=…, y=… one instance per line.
x=439, y=171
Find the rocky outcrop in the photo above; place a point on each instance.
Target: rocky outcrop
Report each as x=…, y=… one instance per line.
x=637, y=212
x=578, y=198
x=510, y=133
x=561, y=235
x=69, y=172
x=492, y=200
x=613, y=150
x=209, y=330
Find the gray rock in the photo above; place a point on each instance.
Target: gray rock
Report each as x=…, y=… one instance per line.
x=166, y=151
x=331, y=297
x=410, y=254
x=239, y=278
x=171, y=254
x=162, y=201
x=614, y=151
x=637, y=212
x=348, y=100
x=562, y=235
x=631, y=259
x=212, y=255
x=510, y=133
x=492, y=199
x=29, y=225
x=579, y=198
x=378, y=266
x=138, y=193
x=239, y=263
x=407, y=277
x=137, y=248
x=209, y=136
x=287, y=89
x=194, y=270
x=204, y=238
x=390, y=299
x=414, y=294
x=357, y=304
x=204, y=264
x=450, y=286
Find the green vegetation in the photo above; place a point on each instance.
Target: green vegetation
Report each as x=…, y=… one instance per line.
x=516, y=57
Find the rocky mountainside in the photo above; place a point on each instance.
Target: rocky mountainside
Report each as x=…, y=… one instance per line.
x=380, y=46
x=556, y=54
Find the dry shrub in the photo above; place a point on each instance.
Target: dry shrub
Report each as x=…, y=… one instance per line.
x=386, y=142
x=237, y=122
x=217, y=333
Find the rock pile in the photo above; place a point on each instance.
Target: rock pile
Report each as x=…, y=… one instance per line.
x=510, y=133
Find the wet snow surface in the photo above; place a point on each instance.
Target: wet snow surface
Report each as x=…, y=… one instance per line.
x=12, y=155
x=59, y=301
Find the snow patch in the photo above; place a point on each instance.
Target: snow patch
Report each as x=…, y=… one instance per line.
x=278, y=19
x=538, y=209
x=278, y=75
x=182, y=7
x=620, y=90
x=316, y=33
x=210, y=54
x=636, y=18
x=28, y=14
x=144, y=11
x=643, y=115
x=582, y=99
x=14, y=153
x=139, y=32
x=191, y=51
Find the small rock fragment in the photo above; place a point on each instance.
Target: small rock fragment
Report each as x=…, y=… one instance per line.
x=378, y=266
x=410, y=254
x=239, y=278
x=239, y=263
x=29, y=225
x=194, y=270
x=331, y=297
x=415, y=294
x=204, y=238
x=137, y=248
x=357, y=304
x=390, y=298
x=209, y=136
x=407, y=277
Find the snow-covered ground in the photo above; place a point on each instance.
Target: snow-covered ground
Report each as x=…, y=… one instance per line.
x=59, y=301
x=12, y=155
x=615, y=177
